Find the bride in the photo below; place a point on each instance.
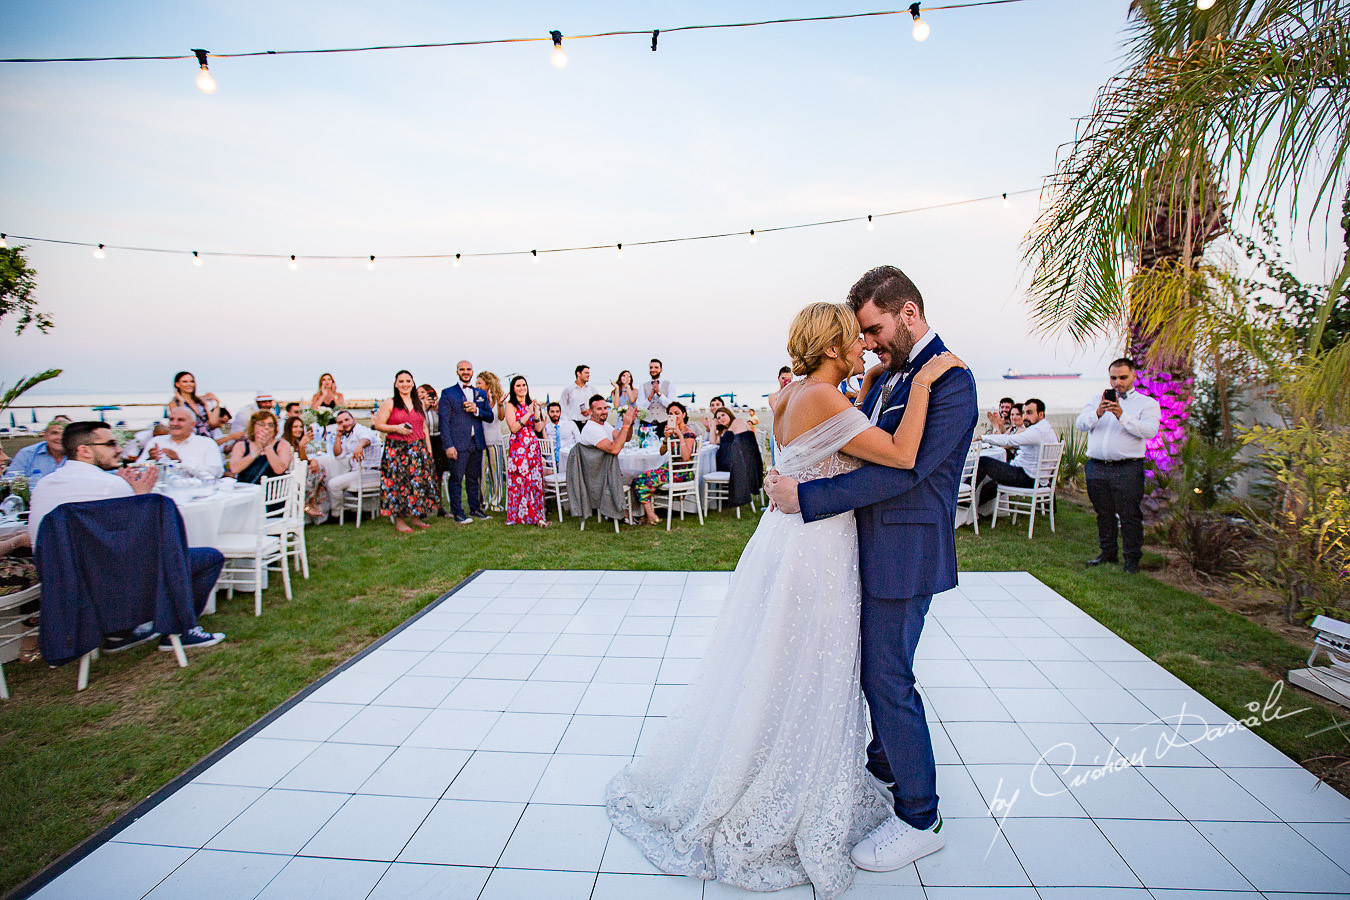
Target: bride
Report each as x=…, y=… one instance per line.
x=758, y=779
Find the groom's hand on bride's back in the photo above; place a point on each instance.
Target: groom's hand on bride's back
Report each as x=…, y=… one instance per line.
x=782, y=491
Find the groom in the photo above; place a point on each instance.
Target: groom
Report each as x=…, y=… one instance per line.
x=907, y=553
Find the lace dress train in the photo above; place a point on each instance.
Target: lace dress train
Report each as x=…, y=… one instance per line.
x=758, y=779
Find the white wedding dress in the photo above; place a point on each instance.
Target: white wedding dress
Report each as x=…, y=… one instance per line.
x=758, y=779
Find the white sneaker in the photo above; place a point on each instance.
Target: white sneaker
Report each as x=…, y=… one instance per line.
x=894, y=844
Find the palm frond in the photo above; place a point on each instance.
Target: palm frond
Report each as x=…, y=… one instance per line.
x=8, y=396
x=1257, y=106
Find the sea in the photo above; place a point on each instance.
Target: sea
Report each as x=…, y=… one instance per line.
x=138, y=409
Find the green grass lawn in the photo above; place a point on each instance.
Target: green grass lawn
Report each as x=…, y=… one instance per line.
x=72, y=762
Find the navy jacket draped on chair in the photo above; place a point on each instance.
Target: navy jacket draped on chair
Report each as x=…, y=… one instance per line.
x=109, y=565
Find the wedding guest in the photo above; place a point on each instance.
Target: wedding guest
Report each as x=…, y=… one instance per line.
x=261, y=401
x=724, y=420
x=564, y=433
x=301, y=439
x=1015, y=423
x=576, y=397
x=291, y=409
x=224, y=434
x=495, y=435
x=429, y=397
x=407, y=478
x=680, y=441
x=1005, y=406
x=656, y=396
x=261, y=453
x=191, y=453
x=355, y=455
x=710, y=420
x=524, y=464
x=205, y=409
x=89, y=475
x=38, y=460
x=784, y=379
x=136, y=444
x=464, y=410
x=600, y=435
x=624, y=394
x=328, y=394
x=1119, y=427
x=1021, y=472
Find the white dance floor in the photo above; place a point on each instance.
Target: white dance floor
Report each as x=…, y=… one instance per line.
x=465, y=755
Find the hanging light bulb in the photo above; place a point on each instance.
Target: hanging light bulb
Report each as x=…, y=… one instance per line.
x=370, y=266
x=618, y=251
x=98, y=252
x=196, y=259
x=3, y=243
x=293, y=265
x=456, y=262
x=921, y=28
x=753, y=239
x=206, y=83
x=1204, y=4
x=534, y=255
x=558, y=57
x=1006, y=202
x=870, y=226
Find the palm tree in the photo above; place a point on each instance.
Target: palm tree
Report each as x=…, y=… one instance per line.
x=1248, y=96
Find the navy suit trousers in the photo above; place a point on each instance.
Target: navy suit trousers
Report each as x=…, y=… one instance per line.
x=466, y=467
x=901, y=750
x=205, y=564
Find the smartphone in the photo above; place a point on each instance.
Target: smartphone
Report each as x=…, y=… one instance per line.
x=1109, y=394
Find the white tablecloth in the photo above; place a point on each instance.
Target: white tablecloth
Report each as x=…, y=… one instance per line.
x=633, y=462
x=227, y=510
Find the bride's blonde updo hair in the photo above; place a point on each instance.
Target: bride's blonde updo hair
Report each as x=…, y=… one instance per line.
x=817, y=328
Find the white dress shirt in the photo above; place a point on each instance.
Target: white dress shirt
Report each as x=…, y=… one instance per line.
x=73, y=482
x=1112, y=439
x=575, y=401
x=198, y=455
x=564, y=434
x=370, y=459
x=1028, y=441
x=894, y=377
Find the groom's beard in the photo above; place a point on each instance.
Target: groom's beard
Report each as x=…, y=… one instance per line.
x=899, y=348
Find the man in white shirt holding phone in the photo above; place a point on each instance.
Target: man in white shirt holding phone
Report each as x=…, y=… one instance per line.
x=1119, y=427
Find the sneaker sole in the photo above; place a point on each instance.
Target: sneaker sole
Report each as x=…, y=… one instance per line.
x=933, y=846
x=127, y=646
x=169, y=647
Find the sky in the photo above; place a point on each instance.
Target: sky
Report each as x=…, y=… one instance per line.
x=491, y=148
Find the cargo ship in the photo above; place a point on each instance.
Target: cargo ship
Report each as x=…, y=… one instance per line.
x=1014, y=374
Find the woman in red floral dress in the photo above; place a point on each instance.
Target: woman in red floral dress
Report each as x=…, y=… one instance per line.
x=524, y=462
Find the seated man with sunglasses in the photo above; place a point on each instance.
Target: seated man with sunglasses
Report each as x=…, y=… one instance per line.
x=91, y=472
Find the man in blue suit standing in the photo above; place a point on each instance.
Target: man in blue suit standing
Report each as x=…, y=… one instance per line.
x=462, y=410
x=907, y=553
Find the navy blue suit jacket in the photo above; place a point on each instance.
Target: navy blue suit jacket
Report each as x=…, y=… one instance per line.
x=109, y=565
x=459, y=429
x=906, y=530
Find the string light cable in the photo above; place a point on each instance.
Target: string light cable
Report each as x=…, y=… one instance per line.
x=207, y=83
x=292, y=259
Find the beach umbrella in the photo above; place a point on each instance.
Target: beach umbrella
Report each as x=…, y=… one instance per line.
x=690, y=396
x=35, y=415
x=11, y=421
x=166, y=412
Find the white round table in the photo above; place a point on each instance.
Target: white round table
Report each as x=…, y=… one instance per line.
x=229, y=508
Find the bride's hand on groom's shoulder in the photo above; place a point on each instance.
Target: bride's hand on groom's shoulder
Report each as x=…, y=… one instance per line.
x=936, y=367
